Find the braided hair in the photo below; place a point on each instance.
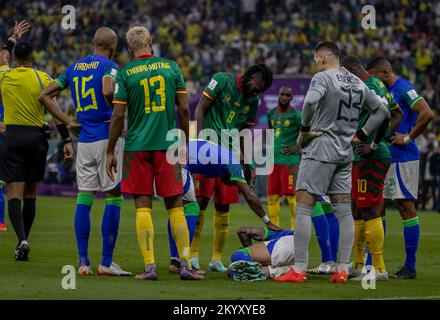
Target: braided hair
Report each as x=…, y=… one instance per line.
x=266, y=74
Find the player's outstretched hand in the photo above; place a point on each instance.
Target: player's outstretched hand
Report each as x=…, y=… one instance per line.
x=19, y=29
x=111, y=165
x=75, y=128
x=273, y=227
x=68, y=152
x=305, y=137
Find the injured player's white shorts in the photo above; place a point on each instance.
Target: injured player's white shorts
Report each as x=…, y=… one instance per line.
x=402, y=181
x=282, y=251
x=189, y=193
x=91, y=159
x=322, y=178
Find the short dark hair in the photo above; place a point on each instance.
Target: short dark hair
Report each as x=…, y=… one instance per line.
x=380, y=62
x=328, y=45
x=351, y=61
x=23, y=51
x=262, y=69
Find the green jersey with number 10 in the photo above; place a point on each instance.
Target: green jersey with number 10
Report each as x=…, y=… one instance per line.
x=148, y=85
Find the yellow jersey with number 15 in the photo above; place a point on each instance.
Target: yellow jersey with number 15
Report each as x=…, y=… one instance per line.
x=20, y=88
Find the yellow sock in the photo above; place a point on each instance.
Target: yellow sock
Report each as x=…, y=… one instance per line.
x=359, y=243
x=221, y=225
x=180, y=232
x=291, y=200
x=273, y=208
x=375, y=237
x=145, y=234
x=195, y=244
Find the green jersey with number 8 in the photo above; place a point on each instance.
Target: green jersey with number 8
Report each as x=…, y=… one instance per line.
x=230, y=109
x=149, y=85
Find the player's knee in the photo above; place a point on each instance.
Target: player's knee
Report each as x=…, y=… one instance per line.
x=242, y=254
x=115, y=201
x=85, y=198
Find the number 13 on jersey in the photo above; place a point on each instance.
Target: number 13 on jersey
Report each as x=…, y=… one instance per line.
x=157, y=84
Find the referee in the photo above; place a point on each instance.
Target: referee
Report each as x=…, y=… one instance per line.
x=24, y=148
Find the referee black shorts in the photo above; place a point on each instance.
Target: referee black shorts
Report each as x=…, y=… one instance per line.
x=23, y=154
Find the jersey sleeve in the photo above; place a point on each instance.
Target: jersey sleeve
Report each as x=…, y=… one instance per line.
x=110, y=71
x=63, y=79
x=121, y=94
x=3, y=69
x=409, y=94
x=180, y=81
x=215, y=86
x=318, y=84
x=45, y=79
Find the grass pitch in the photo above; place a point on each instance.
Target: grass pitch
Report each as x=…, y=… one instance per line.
x=53, y=245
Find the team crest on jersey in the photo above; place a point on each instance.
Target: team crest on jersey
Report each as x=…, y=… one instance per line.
x=227, y=98
x=212, y=84
x=247, y=109
x=286, y=122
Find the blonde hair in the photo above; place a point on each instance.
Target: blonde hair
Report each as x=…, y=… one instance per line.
x=138, y=38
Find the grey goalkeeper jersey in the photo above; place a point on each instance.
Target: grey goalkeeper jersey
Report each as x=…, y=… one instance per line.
x=342, y=97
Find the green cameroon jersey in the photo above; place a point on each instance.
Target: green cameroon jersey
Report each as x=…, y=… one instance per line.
x=286, y=126
x=382, y=151
x=230, y=109
x=149, y=85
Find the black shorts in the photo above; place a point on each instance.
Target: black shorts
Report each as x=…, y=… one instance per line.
x=23, y=154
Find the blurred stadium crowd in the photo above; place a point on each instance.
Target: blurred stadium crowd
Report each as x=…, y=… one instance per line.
x=207, y=36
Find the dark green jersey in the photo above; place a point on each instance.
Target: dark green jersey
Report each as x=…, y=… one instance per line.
x=148, y=85
x=286, y=126
x=230, y=109
x=382, y=151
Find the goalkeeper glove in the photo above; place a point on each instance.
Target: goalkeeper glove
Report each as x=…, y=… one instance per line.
x=306, y=135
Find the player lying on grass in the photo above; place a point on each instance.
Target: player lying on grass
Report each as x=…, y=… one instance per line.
x=274, y=252
x=269, y=258
x=205, y=158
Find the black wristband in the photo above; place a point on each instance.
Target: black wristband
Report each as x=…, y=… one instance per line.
x=64, y=132
x=305, y=129
x=9, y=45
x=361, y=135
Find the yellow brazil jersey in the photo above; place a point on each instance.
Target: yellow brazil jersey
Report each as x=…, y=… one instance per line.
x=20, y=89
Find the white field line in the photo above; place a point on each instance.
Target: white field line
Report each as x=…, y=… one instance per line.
x=406, y=298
